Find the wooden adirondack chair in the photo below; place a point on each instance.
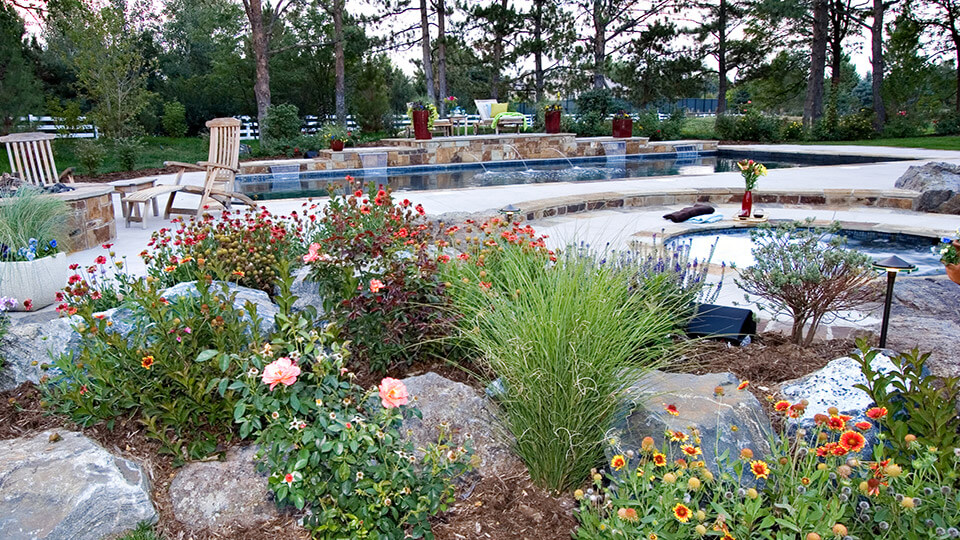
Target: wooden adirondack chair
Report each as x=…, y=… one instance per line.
x=31, y=158
x=217, y=190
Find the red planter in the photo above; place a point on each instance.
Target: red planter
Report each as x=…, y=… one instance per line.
x=551, y=119
x=746, y=207
x=421, y=121
x=623, y=128
x=336, y=145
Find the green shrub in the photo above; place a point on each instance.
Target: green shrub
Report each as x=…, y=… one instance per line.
x=565, y=341
x=160, y=373
x=916, y=403
x=903, y=124
x=244, y=246
x=175, y=119
x=31, y=225
x=804, y=271
x=948, y=124
x=377, y=271
x=821, y=485
x=854, y=127
x=792, y=131
x=593, y=107
x=128, y=150
x=90, y=153
x=282, y=122
x=749, y=126
x=328, y=445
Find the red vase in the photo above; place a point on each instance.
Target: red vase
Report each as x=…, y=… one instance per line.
x=336, y=145
x=421, y=120
x=551, y=119
x=623, y=128
x=746, y=207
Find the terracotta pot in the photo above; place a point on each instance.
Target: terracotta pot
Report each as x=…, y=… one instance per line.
x=37, y=280
x=336, y=145
x=551, y=119
x=746, y=207
x=421, y=121
x=623, y=128
x=953, y=272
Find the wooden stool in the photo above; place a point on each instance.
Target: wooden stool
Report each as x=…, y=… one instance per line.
x=134, y=204
x=127, y=187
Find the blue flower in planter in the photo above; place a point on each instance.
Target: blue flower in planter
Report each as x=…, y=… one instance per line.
x=53, y=244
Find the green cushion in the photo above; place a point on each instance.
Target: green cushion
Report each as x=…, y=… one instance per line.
x=497, y=108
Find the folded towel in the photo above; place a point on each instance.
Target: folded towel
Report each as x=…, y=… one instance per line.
x=509, y=114
x=706, y=218
x=689, y=212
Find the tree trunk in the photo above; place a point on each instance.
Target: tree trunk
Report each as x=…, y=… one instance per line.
x=498, y=38
x=599, y=45
x=836, y=50
x=340, y=74
x=427, y=59
x=538, y=49
x=722, y=59
x=260, y=43
x=813, y=104
x=442, y=55
x=876, y=62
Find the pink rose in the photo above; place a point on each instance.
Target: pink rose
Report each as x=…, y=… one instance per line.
x=392, y=393
x=376, y=285
x=281, y=370
x=313, y=253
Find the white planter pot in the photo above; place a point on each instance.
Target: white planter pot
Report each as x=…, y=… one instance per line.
x=39, y=280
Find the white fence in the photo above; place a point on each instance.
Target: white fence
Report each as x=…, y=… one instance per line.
x=48, y=124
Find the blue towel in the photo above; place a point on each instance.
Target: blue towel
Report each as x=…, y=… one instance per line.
x=706, y=218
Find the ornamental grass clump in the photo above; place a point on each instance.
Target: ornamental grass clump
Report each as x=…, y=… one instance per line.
x=32, y=225
x=566, y=339
x=806, y=272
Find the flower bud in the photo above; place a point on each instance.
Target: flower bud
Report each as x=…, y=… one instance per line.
x=813, y=536
x=700, y=529
x=840, y=529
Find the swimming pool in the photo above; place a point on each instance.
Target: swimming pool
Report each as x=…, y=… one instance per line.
x=498, y=173
x=733, y=247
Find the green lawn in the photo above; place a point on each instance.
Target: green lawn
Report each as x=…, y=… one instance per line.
x=156, y=150
x=699, y=128
x=947, y=142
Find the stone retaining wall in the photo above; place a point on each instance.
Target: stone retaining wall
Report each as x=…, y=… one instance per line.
x=93, y=221
x=839, y=198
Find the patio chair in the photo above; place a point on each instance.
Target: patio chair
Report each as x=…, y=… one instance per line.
x=485, y=109
x=221, y=169
x=31, y=158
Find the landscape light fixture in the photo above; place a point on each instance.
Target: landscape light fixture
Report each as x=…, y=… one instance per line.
x=892, y=265
x=509, y=211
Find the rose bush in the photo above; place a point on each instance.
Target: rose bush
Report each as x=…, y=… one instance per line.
x=330, y=447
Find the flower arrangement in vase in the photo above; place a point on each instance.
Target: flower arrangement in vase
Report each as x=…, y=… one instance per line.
x=337, y=135
x=551, y=117
x=949, y=251
x=751, y=171
x=622, y=125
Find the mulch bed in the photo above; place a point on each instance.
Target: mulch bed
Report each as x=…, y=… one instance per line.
x=508, y=507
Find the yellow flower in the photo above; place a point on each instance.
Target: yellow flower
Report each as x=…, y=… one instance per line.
x=681, y=512
x=618, y=462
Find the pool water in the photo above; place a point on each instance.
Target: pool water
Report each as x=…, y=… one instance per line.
x=464, y=175
x=733, y=247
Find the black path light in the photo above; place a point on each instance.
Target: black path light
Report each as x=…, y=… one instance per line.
x=509, y=211
x=892, y=265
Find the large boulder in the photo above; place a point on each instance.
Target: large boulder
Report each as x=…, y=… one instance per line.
x=224, y=494
x=933, y=304
x=306, y=291
x=266, y=309
x=833, y=386
x=938, y=184
x=727, y=422
x=465, y=412
x=26, y=347
x=62, y=485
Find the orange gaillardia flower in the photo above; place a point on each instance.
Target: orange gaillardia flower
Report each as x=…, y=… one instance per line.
x=628, y=514
x=852, y=441
x=876, y=413
x=678, y=436
x=781, y=406
x=760, y=469
x=681, y=512
x=836, y=423
x=618, y=462
x=690, y=450
x=746, y=453
x=863, y=426
x=659, y=459
x=672, y=409
x=146, y=361
x=743, y=385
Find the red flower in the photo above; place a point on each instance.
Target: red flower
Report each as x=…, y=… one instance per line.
x=876, y=413
x=781, y=406
x=28, y=304
x=358, y=193
x=74, y=279
x=852, y=441
x=863, y=426
x=100, y=260
x=672, y=409
x=836, y=423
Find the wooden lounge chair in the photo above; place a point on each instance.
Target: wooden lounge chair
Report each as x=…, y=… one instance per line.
x=486, y=118
x=31, y=158
x=217, y=191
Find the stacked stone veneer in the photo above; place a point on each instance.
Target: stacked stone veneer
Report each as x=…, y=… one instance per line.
x=446, y=150
x=837, y=198
x=92, y=221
